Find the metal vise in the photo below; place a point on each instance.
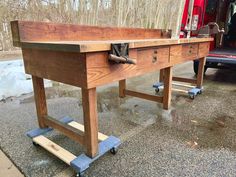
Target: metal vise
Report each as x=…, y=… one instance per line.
x=120, y=54
x=210, y=29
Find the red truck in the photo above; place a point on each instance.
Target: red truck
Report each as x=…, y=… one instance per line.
x=223, y=13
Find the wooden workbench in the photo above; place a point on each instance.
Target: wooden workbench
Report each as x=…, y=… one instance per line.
x=78, y=55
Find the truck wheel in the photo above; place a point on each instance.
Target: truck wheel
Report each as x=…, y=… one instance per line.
x=195, y=67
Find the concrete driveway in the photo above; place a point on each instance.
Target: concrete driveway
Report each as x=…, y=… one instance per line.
x=194, y=138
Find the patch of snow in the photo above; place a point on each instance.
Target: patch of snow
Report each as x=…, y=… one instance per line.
x=14, y=81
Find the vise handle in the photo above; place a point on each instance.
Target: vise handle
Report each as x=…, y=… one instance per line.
x=119, y=54
x=122, y=59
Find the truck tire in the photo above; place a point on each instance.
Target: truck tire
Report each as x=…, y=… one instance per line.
x=195, y=67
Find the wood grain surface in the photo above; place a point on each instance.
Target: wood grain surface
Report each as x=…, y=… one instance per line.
x=65, y=67
x=44, y=31
x=105, y=45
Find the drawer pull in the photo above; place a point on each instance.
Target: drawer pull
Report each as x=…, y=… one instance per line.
x=154, y=59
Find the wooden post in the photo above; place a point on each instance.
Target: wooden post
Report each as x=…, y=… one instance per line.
x=40, y=100
x=122, y=87
x=89, y=100
x=167, y=87
x=161, y=76
x=200, y=73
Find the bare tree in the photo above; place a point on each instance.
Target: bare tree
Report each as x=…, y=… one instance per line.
x=165, y=14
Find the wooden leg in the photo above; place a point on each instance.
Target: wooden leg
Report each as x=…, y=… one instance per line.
x=200, y=74
x=161, y=77
x=89, y=100
x=122, y=87
x=167, y=88
x=40, y=100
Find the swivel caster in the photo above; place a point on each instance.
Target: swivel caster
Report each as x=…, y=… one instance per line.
x=113, y=151
x=157, y=90
x=35, y=144
x=192, y=96
x=79, y=175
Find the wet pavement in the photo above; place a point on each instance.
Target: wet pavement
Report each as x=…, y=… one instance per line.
x=194, y=138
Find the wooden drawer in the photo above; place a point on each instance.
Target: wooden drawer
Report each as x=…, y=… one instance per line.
x=154, y=58
x=203, y=49
x=189, y=51
x=182, y=53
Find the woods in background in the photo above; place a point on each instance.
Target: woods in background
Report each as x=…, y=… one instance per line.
x=165, y=14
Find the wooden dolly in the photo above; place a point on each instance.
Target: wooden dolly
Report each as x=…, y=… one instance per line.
x=88, y=57
x=196, y=84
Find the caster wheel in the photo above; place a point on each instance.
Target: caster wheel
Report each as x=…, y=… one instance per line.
x=35, y=144
x=192, y=96
x=79, y=175
x=113, y=151
x=200, y=92
x=157, y=90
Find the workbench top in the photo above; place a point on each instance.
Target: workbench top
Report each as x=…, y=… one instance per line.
x=105, y=45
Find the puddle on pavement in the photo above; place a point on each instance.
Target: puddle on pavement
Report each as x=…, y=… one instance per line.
x=209, y=123
x=226, y=76
x=199, y=133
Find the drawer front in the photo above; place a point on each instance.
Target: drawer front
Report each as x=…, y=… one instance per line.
x=152, y=59
x=182, y=53
x=203, y=49
x=190, y=51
